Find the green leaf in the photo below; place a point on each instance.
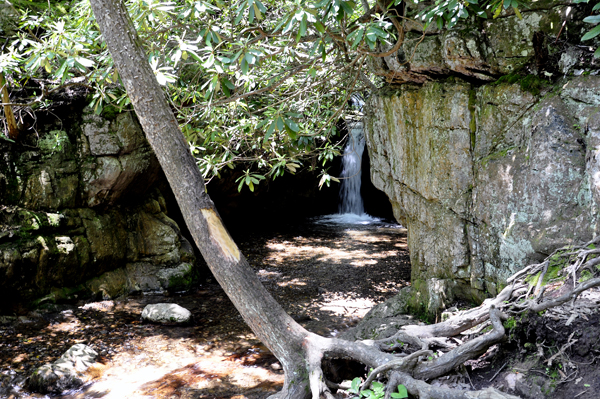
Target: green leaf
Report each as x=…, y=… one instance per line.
x=358, y=38
x=227, y=83
x=85, y=62
x=580, y=1
x=240, y=12
x=597, y=53
x=319, y=27
x=593, y=19
x=347, y=6
x=303, y=26
x=251, y=14
x=439, y=22
x=270, y=130
x=355, y=385
x=591, y=34
x=292, y=125
x=280, y=123
x=506, y=4
x=498, y=10
x=250, y=58
x=517, y=13
x=260, y=6
x=245, y=66
x=290, y=132
x=480, y=13
x=257, y=12
x=402, y=391
x=209, y=62
x=596, y=7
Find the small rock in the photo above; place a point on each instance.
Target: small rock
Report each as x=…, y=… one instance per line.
x=166, y=313
x=65, y=373
x=276, y=366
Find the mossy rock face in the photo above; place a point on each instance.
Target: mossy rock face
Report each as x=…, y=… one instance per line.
x=474, y=48
x=76, y=202
x=487, y=179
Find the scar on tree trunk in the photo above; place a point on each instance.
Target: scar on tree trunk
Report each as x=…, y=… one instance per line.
x=11, y=122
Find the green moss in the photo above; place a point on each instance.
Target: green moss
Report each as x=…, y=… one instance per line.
x=473, y=122
x=110, y=112
x=557, y=263
x=529, y=83
x=180, y=281
x=510, y=78
x=496, y=155
x=61, y=295
x=585, y=276
x=532, y=84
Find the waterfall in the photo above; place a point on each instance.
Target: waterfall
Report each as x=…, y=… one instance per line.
x=350, y=198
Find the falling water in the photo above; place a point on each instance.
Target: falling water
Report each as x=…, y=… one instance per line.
x=350, y=198
x=351, y=208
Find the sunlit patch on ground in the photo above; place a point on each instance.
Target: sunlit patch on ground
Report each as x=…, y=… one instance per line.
x=341, y=305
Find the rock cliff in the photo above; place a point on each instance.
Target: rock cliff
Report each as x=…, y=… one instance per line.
x=78, y=203
x=488, y=173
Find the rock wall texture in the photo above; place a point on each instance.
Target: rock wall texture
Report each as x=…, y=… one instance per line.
x=76, y=201
x=487, y=177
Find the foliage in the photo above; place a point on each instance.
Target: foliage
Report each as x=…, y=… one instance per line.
x=377, y=390
x=450, y=12
x=260, y=84
x=594, y=20
x=256, y=85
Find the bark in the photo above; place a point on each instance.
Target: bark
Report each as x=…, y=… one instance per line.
x=11, y=122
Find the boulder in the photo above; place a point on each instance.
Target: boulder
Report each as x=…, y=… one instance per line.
x=65, y=373
x=486, y=178
x=166, y=313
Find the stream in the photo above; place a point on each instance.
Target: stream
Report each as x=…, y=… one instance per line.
x=325, y=272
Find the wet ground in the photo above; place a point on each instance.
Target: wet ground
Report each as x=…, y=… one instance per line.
x=327, y=277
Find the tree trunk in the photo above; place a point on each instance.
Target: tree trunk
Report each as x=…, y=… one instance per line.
x=13, y=127
x=272, y=325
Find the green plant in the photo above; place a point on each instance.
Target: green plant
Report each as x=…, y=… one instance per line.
x=594, y=20
x=585, y=276
x=249, y=179
x=377, y=390
x=510, y=323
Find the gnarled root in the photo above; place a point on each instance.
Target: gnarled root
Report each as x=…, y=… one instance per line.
x=412, y=369
x=423, y=390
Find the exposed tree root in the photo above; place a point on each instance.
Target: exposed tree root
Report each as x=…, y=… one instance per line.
x=411, y=369
x=423, y=390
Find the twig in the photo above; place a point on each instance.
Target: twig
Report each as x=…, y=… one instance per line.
x=498, y=372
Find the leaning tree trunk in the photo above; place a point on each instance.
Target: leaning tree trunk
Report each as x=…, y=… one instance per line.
x=273, y=326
